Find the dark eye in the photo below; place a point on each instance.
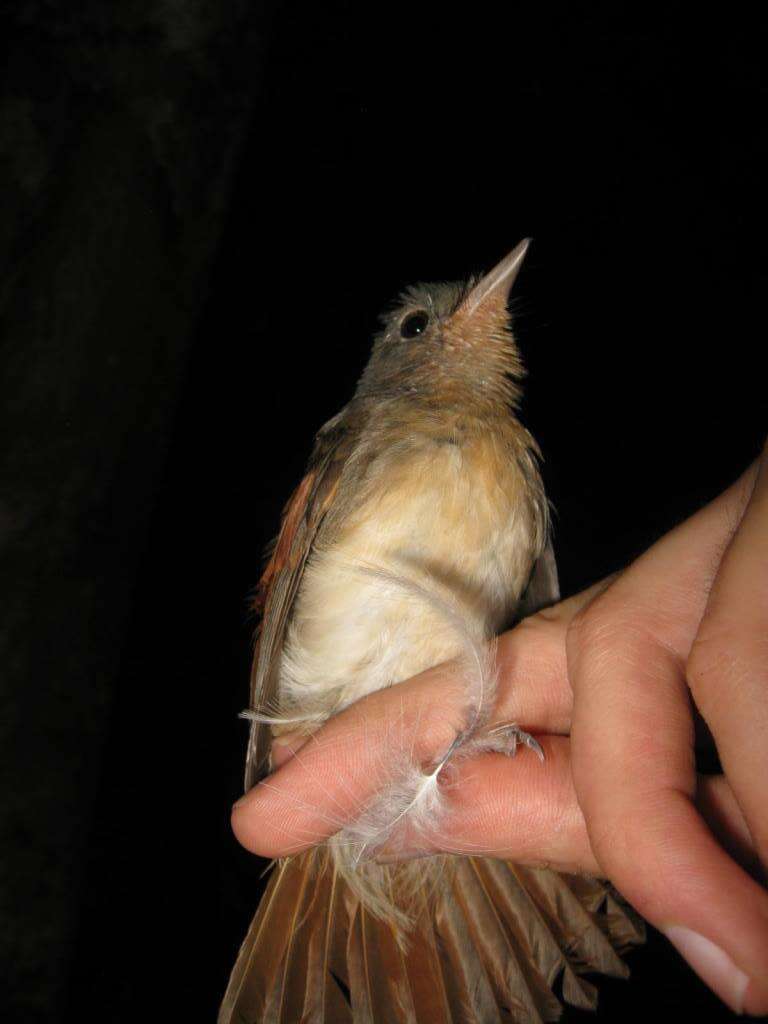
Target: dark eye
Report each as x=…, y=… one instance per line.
x=414, y=324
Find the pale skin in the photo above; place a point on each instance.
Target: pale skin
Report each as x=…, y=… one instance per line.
x=606, y=681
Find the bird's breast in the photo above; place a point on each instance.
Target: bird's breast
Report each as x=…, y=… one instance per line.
x=452, y=530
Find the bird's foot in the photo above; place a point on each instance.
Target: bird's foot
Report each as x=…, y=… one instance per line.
x=504, y=739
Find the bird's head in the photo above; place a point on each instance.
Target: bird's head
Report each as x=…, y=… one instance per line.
x=450, y=344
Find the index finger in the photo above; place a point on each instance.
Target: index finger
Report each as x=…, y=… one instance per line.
x=325, y=781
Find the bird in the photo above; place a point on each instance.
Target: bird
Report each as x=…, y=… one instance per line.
x=420, y=530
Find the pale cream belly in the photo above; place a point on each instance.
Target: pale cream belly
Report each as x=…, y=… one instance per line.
x=455, y=522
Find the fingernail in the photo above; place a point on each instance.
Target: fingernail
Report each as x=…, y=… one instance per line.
x=712, y=964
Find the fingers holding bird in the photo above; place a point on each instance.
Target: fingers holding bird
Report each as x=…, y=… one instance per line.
x=513, y=807
x=517, y=808
x=320, y=783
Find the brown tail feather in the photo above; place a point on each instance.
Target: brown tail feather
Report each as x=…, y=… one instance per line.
x=584, y=944
x=470, y=991
x=487, y=948
x=426, y=971
x=524, y=989
x=327, y=959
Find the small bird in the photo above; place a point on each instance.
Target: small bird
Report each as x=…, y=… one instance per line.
x=420, y=531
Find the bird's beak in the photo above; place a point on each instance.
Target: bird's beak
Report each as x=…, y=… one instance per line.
x=493, y=290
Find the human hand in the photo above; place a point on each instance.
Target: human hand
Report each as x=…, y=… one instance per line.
x=604, y=679
x=687, y=622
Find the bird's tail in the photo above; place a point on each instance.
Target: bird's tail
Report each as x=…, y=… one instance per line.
x=494, y=942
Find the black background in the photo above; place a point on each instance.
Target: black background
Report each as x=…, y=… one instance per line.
x=387, y=147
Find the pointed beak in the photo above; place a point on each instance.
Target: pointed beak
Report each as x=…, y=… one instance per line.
x=494, y=288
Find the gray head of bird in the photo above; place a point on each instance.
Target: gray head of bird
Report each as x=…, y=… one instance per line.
x=450, y=344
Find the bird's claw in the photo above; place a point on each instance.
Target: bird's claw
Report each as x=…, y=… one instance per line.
x=504, y=739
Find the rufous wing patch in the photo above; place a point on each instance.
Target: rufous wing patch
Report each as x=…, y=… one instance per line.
x=294, y=515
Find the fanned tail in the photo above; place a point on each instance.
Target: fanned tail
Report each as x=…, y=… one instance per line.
x=488, y=946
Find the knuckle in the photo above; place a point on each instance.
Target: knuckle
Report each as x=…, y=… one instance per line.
x=590, y=627
x=529, y=637
x=613, y=625
x=627, y=854
x=580, y=628
x=704, y=664
x=720, y=665
x=531, y=626
x=615, y=841
x=605, y=838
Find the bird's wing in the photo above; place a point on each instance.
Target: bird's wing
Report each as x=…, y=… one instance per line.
x=305, y=513
x=543, y=587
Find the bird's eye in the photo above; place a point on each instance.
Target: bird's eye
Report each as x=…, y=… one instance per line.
x=414, y=325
